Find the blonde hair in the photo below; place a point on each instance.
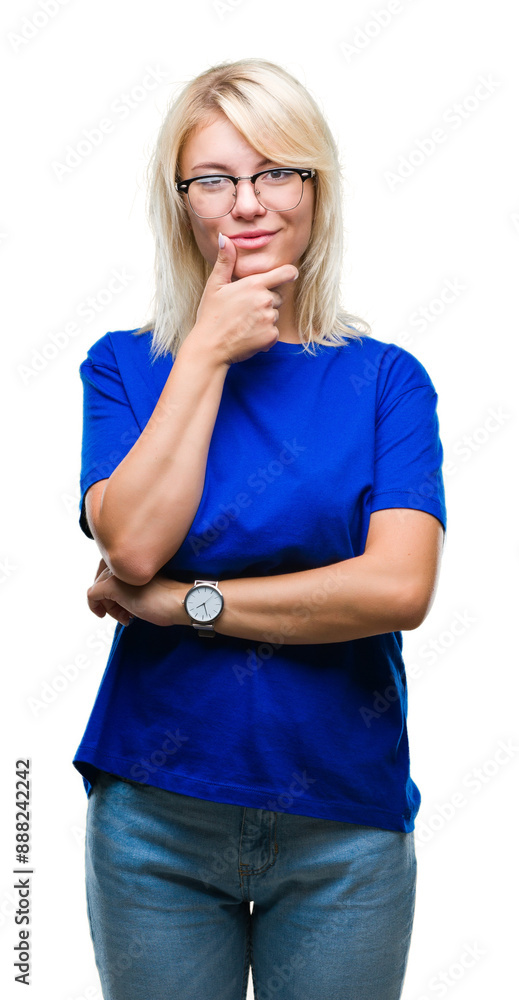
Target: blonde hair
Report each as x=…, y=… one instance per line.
x=277, y=116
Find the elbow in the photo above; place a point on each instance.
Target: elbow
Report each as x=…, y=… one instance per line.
x=136, y=565
x=413, y=606
x=130, y=569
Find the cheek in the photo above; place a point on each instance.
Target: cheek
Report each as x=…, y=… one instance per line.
x=304, y=232
x=205, y=238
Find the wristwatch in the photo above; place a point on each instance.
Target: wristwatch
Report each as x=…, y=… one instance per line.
x=204, y=604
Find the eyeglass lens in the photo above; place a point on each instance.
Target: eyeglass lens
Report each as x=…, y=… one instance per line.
x=277, y=191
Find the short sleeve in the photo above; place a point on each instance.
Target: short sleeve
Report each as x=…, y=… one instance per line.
x=408, y=450
x=110, y=428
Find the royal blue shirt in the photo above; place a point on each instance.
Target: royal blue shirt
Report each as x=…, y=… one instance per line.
x=304, y=449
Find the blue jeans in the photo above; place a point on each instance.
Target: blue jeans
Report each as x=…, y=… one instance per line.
x=169, y=881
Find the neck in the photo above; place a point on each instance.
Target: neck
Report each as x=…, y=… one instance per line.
x=286, y=324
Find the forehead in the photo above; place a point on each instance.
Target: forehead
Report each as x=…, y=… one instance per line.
x=218, y=141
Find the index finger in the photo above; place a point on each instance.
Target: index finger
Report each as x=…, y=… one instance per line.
x=279, y=275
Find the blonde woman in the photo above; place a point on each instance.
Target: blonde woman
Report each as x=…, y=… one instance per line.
x=263, y=480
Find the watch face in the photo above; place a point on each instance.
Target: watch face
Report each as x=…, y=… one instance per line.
x=204, y=603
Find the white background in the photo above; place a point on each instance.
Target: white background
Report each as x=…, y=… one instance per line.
x=455, y=219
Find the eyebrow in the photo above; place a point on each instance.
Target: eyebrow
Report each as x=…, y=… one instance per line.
x=223, y=166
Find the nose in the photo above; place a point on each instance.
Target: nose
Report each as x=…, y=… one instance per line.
x=246, y=204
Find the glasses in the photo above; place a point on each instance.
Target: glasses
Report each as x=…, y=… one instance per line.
x=214, y=195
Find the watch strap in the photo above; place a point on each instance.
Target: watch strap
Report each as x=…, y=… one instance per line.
x=204, y=629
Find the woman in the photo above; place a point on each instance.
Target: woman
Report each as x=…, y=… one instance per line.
x=263, y=481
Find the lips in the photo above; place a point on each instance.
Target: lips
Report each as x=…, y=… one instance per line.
x=252, y=239
x=252, y=234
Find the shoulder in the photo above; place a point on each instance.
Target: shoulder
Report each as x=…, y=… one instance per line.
x=391, y=367
x=116, y=347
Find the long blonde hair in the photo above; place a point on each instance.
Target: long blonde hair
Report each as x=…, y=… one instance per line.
x=277, y=116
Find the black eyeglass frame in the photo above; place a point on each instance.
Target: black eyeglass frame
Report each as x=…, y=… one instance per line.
x=304, y=173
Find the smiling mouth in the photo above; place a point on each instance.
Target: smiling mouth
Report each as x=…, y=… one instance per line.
x=255, y=240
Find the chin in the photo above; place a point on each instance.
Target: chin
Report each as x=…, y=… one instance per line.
x=255, y=260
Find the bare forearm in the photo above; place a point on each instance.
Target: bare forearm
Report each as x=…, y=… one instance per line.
x=346, y=600
x=389, y=588
x=151, y=498
x=336, y=603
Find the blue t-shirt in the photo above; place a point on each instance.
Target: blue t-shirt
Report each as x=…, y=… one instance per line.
x=304, y=448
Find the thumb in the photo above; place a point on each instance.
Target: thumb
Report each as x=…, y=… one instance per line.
x=225, y=261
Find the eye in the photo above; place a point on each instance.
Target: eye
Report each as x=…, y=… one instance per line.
x=277, y=176
x=212, y=183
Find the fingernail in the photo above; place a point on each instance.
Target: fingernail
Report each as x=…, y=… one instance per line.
x=221, y=241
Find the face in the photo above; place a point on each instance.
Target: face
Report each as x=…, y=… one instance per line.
x=220, y=148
